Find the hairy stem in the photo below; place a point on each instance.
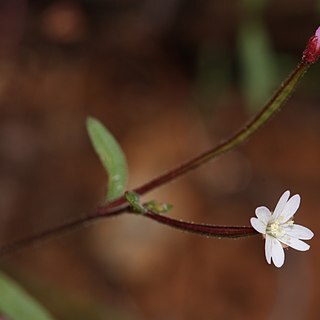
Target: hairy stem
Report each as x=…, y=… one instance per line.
x=204, y=229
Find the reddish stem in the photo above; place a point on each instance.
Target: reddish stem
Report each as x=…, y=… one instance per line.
x=204, y=229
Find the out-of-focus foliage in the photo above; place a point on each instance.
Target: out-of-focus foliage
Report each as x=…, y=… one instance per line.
x=18, y=304
x=256, y=56
x=257, y=63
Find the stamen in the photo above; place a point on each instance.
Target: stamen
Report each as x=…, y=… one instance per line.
x=275, y=229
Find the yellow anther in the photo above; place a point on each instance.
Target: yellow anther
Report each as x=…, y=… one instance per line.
x=275, y=229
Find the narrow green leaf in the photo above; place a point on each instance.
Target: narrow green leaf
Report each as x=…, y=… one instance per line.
x=16, y=304
x=111, y=156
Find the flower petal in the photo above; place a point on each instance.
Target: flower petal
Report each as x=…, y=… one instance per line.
x=295, y=243
x=263, y=214
x=290, y=208
x=268, y=248
x=299, y=232
x=277, y=253
x=317, y=33
x=281, y=204
x=258, y=225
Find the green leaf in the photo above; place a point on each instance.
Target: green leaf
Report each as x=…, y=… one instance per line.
x=16, y=304
x=111, y=156
x=134, y=199
x=157, y=207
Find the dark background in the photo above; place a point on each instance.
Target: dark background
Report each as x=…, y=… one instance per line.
x=169, y=79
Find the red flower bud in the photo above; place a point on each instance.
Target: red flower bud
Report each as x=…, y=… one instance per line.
x=312, y=52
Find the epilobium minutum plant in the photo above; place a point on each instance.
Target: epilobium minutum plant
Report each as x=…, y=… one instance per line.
x=278, y=227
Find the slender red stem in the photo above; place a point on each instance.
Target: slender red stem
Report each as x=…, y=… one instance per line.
x=204, y=229
x=52, y=232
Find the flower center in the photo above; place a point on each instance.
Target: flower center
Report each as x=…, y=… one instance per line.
x=275, y=229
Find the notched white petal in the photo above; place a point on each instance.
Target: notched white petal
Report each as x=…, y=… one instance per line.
x=258, y=225
x=281, y=204
x=263, y=214
x=298, y=231
x=277, y=253
x=295, y=243
x=291, y=208
x=268, y=248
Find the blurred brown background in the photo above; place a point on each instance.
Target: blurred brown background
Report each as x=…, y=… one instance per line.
x=169, y=78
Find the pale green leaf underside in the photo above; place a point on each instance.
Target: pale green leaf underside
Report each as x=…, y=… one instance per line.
x=16, y=304
x=111, y=156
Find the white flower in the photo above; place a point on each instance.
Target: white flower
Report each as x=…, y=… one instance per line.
x=279, y=229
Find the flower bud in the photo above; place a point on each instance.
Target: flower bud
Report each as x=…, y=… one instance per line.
x=312, y=52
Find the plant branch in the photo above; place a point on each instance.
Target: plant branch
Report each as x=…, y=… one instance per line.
x=54, y=231
x=208, y=230
x=120, y=205
x=272, y=106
